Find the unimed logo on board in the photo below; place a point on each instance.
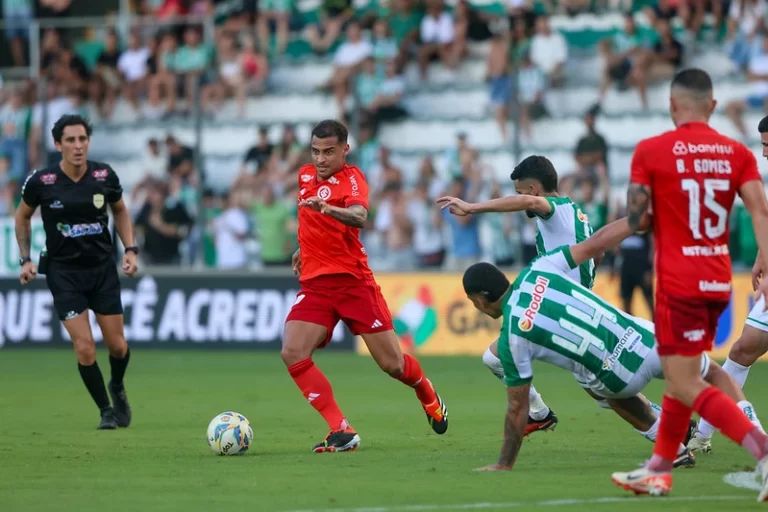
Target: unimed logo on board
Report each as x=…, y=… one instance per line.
x=155, y=313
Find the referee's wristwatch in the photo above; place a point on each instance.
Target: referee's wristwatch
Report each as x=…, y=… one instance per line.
x=133, y=249
x=22, y=261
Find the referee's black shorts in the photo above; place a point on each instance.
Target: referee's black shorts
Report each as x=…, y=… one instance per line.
x=75, y=290
x=632, y=276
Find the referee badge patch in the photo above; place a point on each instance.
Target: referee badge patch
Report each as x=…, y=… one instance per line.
x=98, y=200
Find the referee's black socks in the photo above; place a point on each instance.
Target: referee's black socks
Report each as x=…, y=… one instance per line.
x=118, y=366
x=94, y=381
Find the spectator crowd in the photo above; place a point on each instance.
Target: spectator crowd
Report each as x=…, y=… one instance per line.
x=159, y=67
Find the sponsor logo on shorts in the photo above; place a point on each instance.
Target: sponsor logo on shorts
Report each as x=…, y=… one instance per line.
x=324, y=192
x=98, y=200
x=306, y=178
x=539, y=289
x=78, y=230
x=100, y=174
x=299, y=298
x=56, y=205
x=714, y=286
x=70, y=315
x=48, y=179
x=695, y=335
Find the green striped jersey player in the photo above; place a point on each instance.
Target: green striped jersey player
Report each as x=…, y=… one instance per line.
x=549, y=317
x=559, y=221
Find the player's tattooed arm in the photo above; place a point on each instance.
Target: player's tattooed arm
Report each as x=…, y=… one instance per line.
x=638, y=200
x=354, y=215
x=514, y=424
x=24, y=228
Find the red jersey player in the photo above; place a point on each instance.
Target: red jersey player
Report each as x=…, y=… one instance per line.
x=336, y=284
x=690, y=176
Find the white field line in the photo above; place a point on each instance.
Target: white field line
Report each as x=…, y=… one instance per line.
x=518, y=504
x=744, y=480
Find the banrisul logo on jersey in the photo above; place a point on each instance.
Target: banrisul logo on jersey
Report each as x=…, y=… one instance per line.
x=539, y=289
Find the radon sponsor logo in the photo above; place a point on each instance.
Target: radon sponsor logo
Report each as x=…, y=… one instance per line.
x=539, y=289
x=630, y=337
x=703, y=250
x=714, y=286
x=695, y=335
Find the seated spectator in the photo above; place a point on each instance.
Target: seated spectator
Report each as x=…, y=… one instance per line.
x=574, y=7
x=437, y=37
x=522, y=10
x=532, y=85
x=15, y=118
x=667, y=55
x=757, y=76
x=255, y=66
x=106, y=80
x=367, y=84
x=404, y=21
x=286, y=157
x=231, y=79
x=256, y=159
x=384, y=45
x=163, y=223
x=231, y=232
x=427, y=222
x=271, y=218
x=626, y=61
x=464, y=249
x=665, y=10
x=549, y=51
x=591, y=149
x=71, y=70
x=154, y=109
x=346, y=63
x=387, y=105
x=278, y=12
x=428, y=174
x=191, y=62
x=745, y=18
x=18, y=16
x=179, y=155
x=132, y=64
x=333, y=15
x=499, y=79
x=165, y=76
x=7, y=188
x=471, y=25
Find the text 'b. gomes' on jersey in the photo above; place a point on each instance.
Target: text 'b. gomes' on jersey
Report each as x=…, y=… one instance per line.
x=694, y=174
x=566, y=225
x=75, y=214
x=327, y=245
x=549, y=317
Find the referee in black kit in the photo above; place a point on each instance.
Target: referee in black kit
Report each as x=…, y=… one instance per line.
x=79, y=262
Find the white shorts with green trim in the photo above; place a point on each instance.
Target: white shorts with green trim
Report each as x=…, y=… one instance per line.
x=758, y=318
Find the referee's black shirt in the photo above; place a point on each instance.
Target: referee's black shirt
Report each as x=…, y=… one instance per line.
x=75, y=214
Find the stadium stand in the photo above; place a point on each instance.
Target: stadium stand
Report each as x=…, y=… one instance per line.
x=412, y=135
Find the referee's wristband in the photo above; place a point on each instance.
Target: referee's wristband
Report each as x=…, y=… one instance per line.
x=133, y=249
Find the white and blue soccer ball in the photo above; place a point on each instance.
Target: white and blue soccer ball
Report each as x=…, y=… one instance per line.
x=230, y=433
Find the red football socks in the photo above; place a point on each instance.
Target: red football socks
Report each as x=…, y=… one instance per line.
x=675, y=417
x=318, y=392
x=413, y=376
x=722, y=413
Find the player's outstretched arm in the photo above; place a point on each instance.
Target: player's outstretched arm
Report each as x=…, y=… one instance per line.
x=753, y=195
x=518, y=203
x=604, y=239
x=638, y=200
x=514, y=427
x=354, y=215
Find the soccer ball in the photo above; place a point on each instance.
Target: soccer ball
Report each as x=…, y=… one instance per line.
x=230, y=433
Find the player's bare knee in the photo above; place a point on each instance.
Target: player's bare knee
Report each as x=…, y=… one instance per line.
x=85, y=350
x=292, y=353
x=393, y=365
x=117, y=346
x=494, y=348
x=749, y=347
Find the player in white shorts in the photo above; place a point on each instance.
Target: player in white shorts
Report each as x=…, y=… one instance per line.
x=559, y=222
x=753, y=342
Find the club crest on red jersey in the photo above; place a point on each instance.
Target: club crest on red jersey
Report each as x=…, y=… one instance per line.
x=48, y=179
x=100, y=174
x=324, y=192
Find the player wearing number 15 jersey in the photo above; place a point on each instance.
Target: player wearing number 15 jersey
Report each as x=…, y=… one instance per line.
x=689, y=177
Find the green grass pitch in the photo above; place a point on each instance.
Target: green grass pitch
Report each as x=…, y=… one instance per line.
x=53, y=459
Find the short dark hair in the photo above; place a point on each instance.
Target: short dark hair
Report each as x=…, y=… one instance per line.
x=70, y=120
x=539, y=168
x=762, y=127
x=331, y=128
x=694, y=79
x=487, y=280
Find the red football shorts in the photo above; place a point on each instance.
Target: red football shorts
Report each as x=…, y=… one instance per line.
x=686, y=326
x=325, y=300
